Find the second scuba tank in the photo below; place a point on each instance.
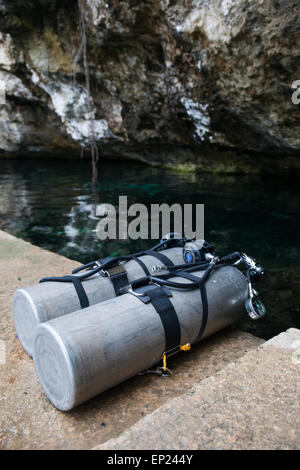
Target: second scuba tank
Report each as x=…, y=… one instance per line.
x=47, y=300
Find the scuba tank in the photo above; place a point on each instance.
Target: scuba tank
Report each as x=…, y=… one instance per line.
x=80, y=355
x=88, y=285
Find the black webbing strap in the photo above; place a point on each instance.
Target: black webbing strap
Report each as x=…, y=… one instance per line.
x=142, y=265
x=77, y=283
x=163, y=258
x=83, y=298
x=203, y=293
x=204, y=310
x=119, y=281
x=108, y=265
x=118, y=276
x=116, y=273
x=168, y=316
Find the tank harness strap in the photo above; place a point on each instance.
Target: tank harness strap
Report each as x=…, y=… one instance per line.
x=142, y=265
x=204, y=310
x=120, y=279
x=114, y=270
x=159, y=298
x=203, y=294
x=118, y=276
x=118, y=273
x=163, y=306
x=83, y=298
x=163, y=258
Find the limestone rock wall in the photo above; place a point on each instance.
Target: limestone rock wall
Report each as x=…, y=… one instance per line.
x=170, y=80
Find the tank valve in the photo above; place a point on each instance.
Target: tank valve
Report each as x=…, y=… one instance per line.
x=255, y=270
x=253, y=305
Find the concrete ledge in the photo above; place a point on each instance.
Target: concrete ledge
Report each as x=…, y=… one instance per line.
x=289, y=340
x=252, y=403
x=29, y=421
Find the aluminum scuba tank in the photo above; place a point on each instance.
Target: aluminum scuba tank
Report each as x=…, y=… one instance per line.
x=80, y=355
x=45, y=301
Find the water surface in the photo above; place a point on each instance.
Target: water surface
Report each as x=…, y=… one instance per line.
x=51, y=203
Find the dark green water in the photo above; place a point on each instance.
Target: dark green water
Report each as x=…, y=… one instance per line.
x=51, y=204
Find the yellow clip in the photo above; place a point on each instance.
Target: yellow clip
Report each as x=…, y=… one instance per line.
x=164, y=362
x=185, y=347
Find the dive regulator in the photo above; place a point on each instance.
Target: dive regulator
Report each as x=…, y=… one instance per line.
x=253, y=305
x=198, y=250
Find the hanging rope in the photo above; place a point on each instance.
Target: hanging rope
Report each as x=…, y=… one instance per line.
x=83, y=49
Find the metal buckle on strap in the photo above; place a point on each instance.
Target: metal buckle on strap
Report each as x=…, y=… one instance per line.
x=142, y=292
x=140, y=295
x=114, y=270
x=136, y=294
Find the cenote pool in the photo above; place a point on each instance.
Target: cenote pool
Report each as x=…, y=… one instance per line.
x=51, y=203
